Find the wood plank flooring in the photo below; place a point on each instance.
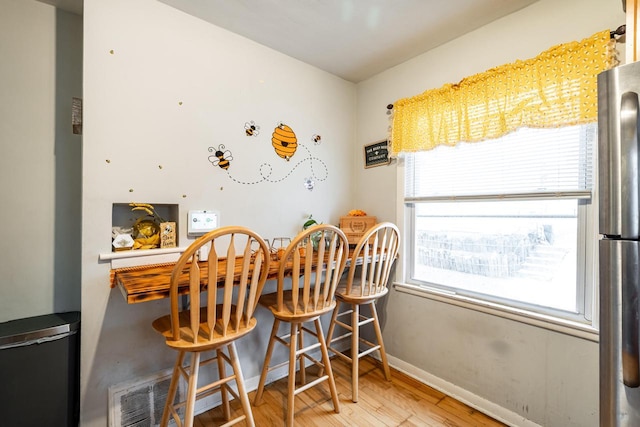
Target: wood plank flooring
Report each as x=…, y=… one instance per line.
x=403, y=401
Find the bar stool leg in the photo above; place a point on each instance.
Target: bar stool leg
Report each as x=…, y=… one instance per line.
x=173, y=388
x=327, y=366
x=223, y=389
x=191, y=389
x=301, y=358
x=267, y=361
x=242, y=392
x=291, y=392
x=355, y=350
x=383, y=353
x=332, y=324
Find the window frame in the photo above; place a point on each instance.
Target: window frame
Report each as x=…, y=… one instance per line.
x=582, y=324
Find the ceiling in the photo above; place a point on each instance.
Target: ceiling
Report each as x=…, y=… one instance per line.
x=352, y=39
x=73, y=6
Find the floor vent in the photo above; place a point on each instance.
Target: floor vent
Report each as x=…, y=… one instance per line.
x=140, y=404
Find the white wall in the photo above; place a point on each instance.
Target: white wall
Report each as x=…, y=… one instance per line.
x=40, y=165
x=160, y=88
x=516, y=371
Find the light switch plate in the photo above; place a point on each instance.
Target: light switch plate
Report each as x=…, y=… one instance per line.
x=201, y=222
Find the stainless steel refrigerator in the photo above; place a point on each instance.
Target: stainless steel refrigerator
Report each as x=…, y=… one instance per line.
x=619, y=228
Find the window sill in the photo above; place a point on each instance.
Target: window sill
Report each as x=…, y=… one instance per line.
x=567, y=327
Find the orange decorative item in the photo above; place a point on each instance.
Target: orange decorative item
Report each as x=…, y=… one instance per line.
x=357, y=212
x=284, y=141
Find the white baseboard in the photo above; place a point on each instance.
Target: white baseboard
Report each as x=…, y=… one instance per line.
x=481, y=404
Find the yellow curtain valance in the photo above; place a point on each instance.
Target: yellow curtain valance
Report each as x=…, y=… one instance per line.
x=556, y=88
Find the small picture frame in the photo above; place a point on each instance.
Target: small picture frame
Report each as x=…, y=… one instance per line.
x=376, y=154
x=168, y=234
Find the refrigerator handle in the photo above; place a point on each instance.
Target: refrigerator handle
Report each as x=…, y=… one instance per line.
x=629, y=111
x=630, y=315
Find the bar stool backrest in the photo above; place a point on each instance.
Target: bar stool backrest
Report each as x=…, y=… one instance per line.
x=316, y=258
x=380, y=244
x=238, y=263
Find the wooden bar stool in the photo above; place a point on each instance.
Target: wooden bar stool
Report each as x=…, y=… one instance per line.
x=381, y=244
x=317, y=257
x=239, y=259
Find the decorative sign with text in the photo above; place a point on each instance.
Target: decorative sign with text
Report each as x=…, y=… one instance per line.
x=376, y=154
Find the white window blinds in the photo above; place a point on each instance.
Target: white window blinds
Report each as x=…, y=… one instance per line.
x=527, y=163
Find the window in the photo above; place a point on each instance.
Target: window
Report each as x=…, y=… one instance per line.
x=507, y=220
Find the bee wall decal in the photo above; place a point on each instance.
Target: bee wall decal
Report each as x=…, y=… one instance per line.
x=220, y=157
x=251, y=129
x=316, y=139
x=284, y=141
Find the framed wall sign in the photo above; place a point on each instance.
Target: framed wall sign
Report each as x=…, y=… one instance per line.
x=376, y=154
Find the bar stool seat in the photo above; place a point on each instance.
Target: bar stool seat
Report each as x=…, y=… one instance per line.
x=270, y=301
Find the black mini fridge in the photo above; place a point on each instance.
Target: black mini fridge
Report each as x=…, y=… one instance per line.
x=40, y=371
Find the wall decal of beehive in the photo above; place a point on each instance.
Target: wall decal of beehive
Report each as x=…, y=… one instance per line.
x=284, y=141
